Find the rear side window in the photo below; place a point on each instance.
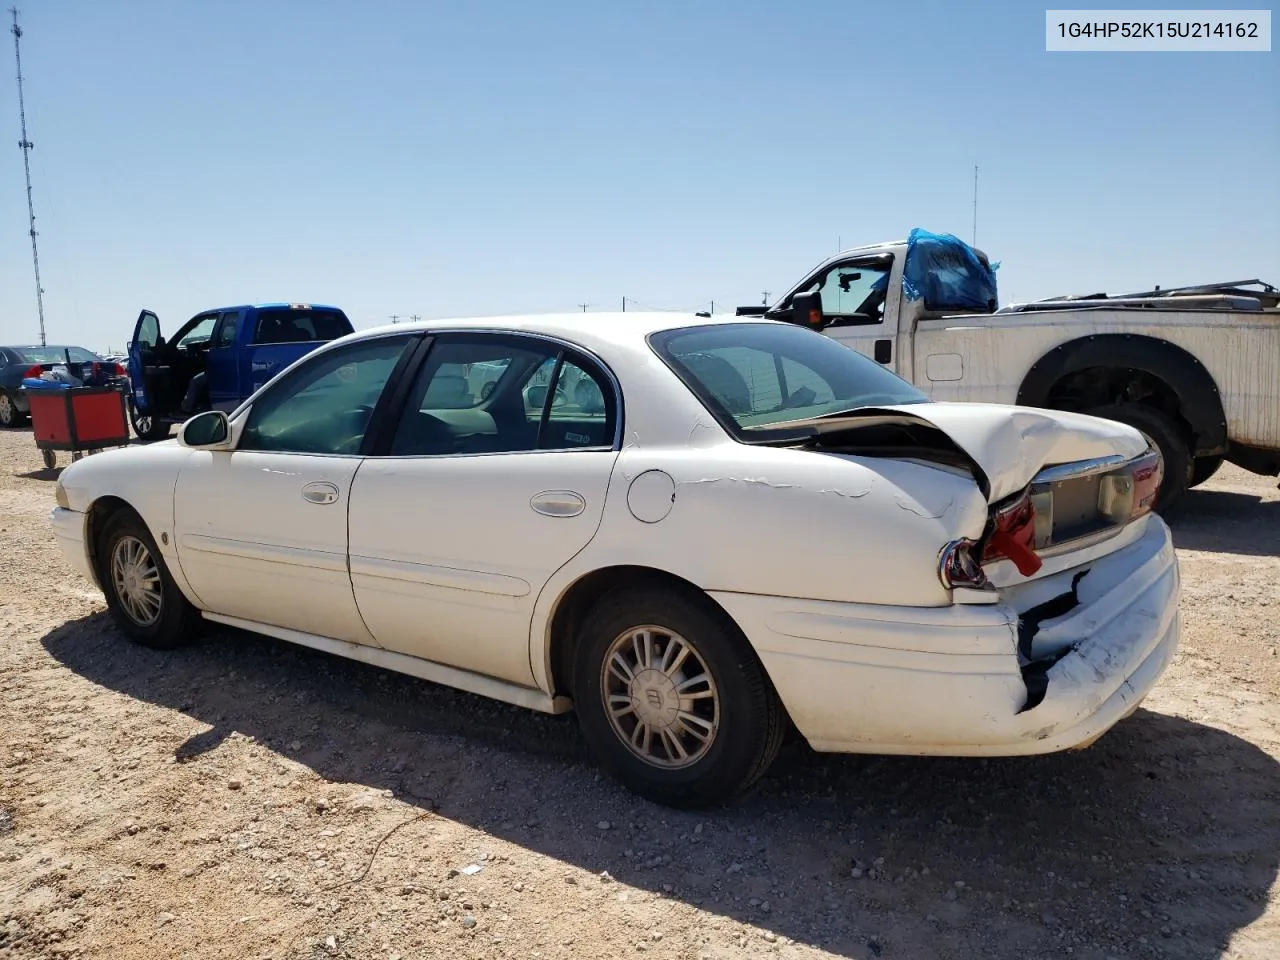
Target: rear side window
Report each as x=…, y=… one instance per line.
x=286, y=325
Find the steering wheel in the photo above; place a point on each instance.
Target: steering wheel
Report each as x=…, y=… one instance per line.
x=801, y=397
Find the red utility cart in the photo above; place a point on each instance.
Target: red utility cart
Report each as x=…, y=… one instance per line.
x=79, y=419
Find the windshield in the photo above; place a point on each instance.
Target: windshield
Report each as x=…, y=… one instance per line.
x=55, y=354
x=754, y=375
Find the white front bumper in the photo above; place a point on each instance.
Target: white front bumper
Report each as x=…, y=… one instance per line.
x=68, y=530
x=858, y=678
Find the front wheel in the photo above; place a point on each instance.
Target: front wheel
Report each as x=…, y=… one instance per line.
x=672, y=700
x=143, y=599
x=1161, y=430
x=147, y=427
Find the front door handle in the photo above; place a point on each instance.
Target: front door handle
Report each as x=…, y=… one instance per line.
x=558, y=503
x=321, y=491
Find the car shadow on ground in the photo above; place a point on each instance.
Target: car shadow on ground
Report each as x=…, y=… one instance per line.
x=1222, y=521
x=1161, y=839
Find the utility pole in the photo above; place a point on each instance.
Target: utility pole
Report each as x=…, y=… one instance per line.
x=624, y=304
x=584, y=306
x=765, y=296
x=713, y=308
x=975, y=205
x=26, y=146
x=395, y=318
x=414, y=317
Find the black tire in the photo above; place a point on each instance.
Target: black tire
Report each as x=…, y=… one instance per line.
x=176, y=621
x=49, y=458
x=148, y=428
x=749, y=718
x=10, y=415
x=1161, y=429
x=1204, y=468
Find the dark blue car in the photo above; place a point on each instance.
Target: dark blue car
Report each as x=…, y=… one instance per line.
x=218, y=358
x=18, y=363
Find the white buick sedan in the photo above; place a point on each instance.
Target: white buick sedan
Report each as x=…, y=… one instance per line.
x=718, y=528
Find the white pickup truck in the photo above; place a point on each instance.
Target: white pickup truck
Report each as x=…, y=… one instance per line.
x=1196, y=369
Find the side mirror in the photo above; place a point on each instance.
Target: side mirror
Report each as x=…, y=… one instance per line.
x=208, y=430
x=806, y=311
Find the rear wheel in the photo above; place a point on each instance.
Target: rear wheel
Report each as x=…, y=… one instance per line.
x=671, y=698
x=1204, y=468
x=143, y=599
x=1161, y=430
x=10, y=415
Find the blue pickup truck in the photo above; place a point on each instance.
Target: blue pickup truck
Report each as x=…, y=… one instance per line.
x=218, y=358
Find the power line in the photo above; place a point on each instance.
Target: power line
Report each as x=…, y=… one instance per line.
x=26, y=145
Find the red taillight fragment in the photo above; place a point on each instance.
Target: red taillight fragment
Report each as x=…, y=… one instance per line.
x=33, y=373
x=1014, y=537
x=121, y=371
x=958, y=567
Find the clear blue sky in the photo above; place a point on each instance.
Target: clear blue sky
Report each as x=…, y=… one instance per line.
x=481, y=157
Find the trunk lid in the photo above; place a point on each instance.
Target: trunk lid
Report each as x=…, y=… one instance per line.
x=1008, y=446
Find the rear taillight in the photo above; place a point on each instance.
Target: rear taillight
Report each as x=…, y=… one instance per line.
x=958, y=567
x=120, y=370
x=1128, y=494
x=33, y=373
x=1014, y=536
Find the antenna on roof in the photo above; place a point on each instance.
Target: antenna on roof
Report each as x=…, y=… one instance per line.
x=26, y=146
x=975, y=205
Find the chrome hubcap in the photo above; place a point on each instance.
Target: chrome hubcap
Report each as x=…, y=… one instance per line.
x=137, y=580
x=660, y=697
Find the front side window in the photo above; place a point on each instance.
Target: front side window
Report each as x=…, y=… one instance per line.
x=324, y=407
x=853, y=293
x=490, y=393
x=757, y=375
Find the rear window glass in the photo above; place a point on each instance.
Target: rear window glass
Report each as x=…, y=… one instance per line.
x=54, y=354
x=299, y=326
x=758, y=375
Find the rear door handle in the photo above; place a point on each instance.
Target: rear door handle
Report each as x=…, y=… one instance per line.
x=320, y=491
x=558, y=503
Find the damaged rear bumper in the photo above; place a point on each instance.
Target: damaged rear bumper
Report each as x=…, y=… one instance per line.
x=947, y=681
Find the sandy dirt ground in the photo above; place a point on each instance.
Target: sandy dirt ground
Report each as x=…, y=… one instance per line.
x=245, y=799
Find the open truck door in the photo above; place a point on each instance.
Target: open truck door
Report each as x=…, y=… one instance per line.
x=146, y=376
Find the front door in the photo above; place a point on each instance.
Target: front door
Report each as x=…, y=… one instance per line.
x=262, y=529
x=143, y=360
x=495, y=477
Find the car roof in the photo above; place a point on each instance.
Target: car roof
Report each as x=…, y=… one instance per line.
x=47, y=346
x=592, y=330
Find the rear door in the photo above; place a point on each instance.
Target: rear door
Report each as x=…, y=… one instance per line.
x=143, y=361
x=274, y=337
x=222, y=364
x=481, y=494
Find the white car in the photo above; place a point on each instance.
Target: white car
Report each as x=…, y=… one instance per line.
x=756, y=526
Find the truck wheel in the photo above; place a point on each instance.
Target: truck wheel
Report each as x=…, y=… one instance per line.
x=1160, y=429
x=10, y=415
x=148, y=428
x=672, y=700
x=1205, y=467
x=142, y=598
